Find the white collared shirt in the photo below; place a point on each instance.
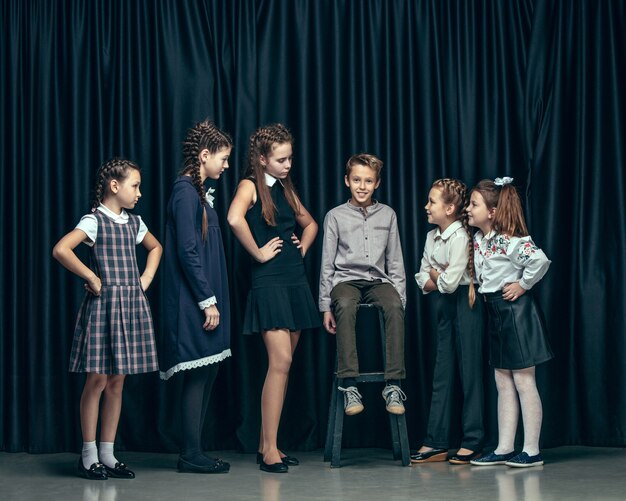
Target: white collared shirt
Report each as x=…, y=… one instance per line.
x=500, y=259
x=446, y=252
x=89, y=224
x=271, y=180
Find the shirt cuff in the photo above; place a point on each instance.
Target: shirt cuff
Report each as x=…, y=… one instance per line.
x=524, y=285
x=207, y=302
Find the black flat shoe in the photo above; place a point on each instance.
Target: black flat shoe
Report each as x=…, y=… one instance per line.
x=95, y=472
x=211, y=466
x=288, y=460
x=463, y=458
x=433, y=456
x=120, y=471
x=273, y=468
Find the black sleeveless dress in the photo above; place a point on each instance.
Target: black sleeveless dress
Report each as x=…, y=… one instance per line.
x=280, y=296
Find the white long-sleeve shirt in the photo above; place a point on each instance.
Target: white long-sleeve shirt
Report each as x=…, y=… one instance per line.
x=447, y=253
x=500, y=259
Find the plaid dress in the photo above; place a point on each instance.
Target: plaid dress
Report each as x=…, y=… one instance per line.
x=114, y=332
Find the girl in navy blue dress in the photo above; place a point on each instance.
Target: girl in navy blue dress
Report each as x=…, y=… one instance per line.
x=197, y=309
x=263, y=216
x=114, y=335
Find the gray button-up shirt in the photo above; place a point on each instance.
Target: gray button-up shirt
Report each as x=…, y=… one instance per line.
x=361, y=244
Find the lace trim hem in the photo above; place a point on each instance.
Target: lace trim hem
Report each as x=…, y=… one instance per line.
x=194, y=364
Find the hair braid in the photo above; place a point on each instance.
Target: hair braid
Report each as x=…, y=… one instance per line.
x=261, y=144
x=454, y=192
x=114, y=169
x=203, y=135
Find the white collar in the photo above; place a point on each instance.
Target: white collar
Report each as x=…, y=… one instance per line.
x=452, y=227
x=271, y=180
x=122, y=217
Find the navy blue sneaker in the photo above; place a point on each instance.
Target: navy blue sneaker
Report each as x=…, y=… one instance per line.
x=523, y=460
x=493, y=458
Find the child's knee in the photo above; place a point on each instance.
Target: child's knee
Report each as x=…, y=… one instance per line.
x=115, y=384
x=344, y=305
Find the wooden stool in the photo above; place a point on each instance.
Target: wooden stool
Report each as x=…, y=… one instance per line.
x=397, y=422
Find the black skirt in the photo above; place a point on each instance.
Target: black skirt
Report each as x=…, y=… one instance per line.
x=517, y=333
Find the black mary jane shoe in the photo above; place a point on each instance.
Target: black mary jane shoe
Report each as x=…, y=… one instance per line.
x=433, y=456
x=273, y=468
x=463, y=458
x=120, y=471
x=95, y=472
x=211, y=466
x=288, y=460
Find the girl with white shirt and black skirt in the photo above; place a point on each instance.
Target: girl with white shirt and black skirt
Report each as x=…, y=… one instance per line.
x=508, y=264
x=447, y=269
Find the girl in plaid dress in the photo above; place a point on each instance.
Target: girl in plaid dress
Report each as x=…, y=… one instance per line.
x=114, y=335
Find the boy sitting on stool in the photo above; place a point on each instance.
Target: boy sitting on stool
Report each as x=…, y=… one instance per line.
x=362, y=263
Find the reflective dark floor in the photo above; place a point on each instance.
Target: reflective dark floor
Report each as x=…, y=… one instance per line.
x=570, y=473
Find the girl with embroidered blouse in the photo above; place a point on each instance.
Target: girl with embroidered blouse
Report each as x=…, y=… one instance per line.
x=196, y=334
x=114, y=335
x=447, y=271
x=508, y=264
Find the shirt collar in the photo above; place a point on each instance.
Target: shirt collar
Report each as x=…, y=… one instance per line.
x=122, y=217
x=271, y=180
x=447, y=233
x=365, y=209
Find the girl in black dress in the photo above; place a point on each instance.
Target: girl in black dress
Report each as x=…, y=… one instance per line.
x=263, y=216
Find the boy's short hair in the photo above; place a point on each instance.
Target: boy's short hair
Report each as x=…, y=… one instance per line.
x=366, y=159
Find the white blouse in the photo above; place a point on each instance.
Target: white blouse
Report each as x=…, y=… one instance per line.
x=89, y=224
x=446, y=252
x=500, y=259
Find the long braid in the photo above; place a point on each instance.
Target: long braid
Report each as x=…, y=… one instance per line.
x=455, y=192
x=203, y=135
x=261, y=144
x=114, y=169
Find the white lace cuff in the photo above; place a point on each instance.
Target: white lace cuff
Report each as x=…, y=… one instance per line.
x=194, y=364
x=207, y=302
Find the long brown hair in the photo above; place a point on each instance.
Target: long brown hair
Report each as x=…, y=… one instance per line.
x=203, y=135
x=262, y=143
x=454, y=192
x=114, y=169
x=509, y=215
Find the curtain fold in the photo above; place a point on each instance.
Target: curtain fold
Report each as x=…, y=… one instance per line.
x=467, y=89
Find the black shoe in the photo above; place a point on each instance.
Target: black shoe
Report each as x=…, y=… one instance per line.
x=273, y=468
x=95, y=472
x=433, y=456
x=211, y=466
x=463, y=458
x=120, y=471
x=288, y=460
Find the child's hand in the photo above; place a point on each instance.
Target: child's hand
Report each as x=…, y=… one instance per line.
x=212, y=318
x=434, y=275
x=93, y=285
x=270, y=249
x=510, y=292
x=329, y=322
x=296, y=241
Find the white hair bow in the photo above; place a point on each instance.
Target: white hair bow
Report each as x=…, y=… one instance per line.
x=209, y=197
x=501, y=181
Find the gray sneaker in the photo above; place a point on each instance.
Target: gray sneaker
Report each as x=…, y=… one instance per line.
x=351, y=400
x=394, y=396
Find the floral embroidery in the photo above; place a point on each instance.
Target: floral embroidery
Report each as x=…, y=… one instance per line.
x=496, y=245
x=525, y=251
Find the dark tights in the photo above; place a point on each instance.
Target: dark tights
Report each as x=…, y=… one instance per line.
x=195, y=397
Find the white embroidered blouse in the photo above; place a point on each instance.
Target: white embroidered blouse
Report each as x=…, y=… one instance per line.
x=500, y=259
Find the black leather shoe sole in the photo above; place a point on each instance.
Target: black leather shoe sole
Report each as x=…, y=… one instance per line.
x=95, y=472
x=218, y=466
x=120, y=471
x=463, y=458
x=433, y=456
x=274, y=468
x=288, y=460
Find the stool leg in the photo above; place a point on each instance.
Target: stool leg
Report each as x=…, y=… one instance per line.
x=335, y=461
x=395, y=435
x=330, y=429
x=404, y=441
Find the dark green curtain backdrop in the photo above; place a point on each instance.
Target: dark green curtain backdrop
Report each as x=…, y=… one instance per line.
x=469, y=89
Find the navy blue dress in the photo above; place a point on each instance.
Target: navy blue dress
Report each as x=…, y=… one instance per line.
x=280, y=296
x=194, y=270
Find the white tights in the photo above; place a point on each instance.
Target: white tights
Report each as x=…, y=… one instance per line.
x=512, y=384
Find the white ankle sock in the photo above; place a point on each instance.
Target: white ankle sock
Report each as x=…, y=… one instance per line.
x=106, y=454
x=89, y=454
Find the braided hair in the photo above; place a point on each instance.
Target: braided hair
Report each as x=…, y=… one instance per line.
x=262, y=143
x=203, y=136
x=115, y=169
x=454, y=192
